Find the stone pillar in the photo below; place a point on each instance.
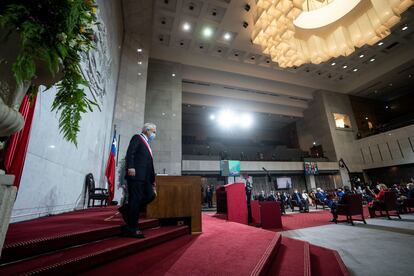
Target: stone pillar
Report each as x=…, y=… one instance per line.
x=163, y=108
x=310, y=180
x=7, y=198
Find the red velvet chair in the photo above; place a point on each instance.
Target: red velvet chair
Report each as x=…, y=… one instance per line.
x=408, y=203
x=353, y=207
x=388, y=204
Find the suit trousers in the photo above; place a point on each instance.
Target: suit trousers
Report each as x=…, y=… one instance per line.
x=140, y=193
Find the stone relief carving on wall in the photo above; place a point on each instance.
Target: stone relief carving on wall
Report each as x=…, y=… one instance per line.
x=97, y=63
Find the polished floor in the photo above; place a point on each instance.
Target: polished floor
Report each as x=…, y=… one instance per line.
x=382, y=247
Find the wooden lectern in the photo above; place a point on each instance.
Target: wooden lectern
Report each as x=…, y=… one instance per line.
x=178, y=197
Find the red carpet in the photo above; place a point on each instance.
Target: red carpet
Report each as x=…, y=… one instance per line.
x=295, y=221
x=224, y=248
x=326, y=262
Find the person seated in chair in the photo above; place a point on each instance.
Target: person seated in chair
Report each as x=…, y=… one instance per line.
x=323, y=197
x=271, y=197
x=341, y=200
x=379, y=199
x=339, y=193
x=262, y=196
x=300, y=201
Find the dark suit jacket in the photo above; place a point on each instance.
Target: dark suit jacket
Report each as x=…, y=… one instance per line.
x=138, y=157
x=297, y=196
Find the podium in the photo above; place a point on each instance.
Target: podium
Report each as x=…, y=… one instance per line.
x=178, y=197
x=231, y=201
x=266, y=214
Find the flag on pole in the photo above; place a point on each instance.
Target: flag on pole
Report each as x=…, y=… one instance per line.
x=110, y=170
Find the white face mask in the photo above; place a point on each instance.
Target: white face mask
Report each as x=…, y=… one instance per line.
x=152, y=137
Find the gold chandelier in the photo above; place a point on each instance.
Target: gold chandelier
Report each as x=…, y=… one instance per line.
x=296, y=32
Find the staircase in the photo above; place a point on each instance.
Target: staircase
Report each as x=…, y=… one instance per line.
x=76, y=251
x=299, y=258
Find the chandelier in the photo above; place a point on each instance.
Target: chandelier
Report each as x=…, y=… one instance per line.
x=296, y=32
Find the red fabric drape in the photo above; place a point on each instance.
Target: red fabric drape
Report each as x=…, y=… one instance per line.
x=17, y=146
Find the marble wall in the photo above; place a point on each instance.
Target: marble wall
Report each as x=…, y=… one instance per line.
x=54, y=172
x=163, y=107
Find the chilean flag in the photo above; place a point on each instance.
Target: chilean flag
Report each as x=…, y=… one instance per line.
x=110, y=170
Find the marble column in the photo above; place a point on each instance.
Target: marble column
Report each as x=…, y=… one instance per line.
x=163, y=108
x=7, y=198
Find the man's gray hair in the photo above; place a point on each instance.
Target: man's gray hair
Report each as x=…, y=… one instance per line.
x=148, y=126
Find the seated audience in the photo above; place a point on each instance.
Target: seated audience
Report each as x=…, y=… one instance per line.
x=271, y=197
x=339, y=193
x=306, y=197
x=261, y=196
x=341, y=200
x=323, y=197
x=300, y=201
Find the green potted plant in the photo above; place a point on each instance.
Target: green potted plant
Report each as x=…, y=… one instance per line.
x=41, y=43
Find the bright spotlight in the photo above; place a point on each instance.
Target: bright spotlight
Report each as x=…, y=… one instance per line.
x=207, y=32
x=246, y=120
x=212, y=117
x=226, y=118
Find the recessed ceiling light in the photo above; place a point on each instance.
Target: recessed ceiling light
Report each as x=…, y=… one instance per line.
x=404, y=28
x=173, y=75
x=345, y=66
x=314, y=143
x=333, y=63
x=355, y=69
x=227, y=36
x=186, y=26
x=139, y=74
x=410, y=75
x=386, y=107
x=390, y=84
x=139, y=50
x=372, y=60
x=139, y=62
x=366, y=118
x=207, y=32
x=361, y=56
x=381, y=43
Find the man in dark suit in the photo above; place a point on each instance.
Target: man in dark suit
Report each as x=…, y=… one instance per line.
x=300, y=201
x=140, y=177
x=341, y=200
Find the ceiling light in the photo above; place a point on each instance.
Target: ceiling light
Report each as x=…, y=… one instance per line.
x=366, y=118
x=381, y=43
x=314, y=143
x=345, y=66
x=139, y=62
x=355, y=69
x=207, y=32
x=410, y=75
x=227, y=36
x=212, y=117
x=390, y=84
x=226, y=118
x=361, y=56
x=186, y=26
x=246, y=120
x=386, y=107
x=173, y=75
x=372, y=60
x=376, y=91
x=139, y=50
x=404, y=28
x=52, y=146
x=139, y=74
x=333, y=63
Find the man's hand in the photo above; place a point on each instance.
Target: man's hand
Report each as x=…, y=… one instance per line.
x=131, y=172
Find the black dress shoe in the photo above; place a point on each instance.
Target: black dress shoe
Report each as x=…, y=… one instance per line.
x=136, y=235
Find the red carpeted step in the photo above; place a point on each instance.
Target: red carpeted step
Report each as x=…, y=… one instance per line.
x=22, y=246
x=326, y=262
x=293, y=259
x=81, y=258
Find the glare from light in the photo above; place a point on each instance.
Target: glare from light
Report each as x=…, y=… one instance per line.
x=345, y=66
x=52, y=146
x=381, y=43
x=366, y=118
x=372, y=60
x=404, y=28
x=361, y=56
x=139, y=50
x=207, y=32
x=314, y=143
x=227, y=36
x=226, y=119
x=333, y=63
x=139, y=62
x=139, y=74
x=386, y=107
x=173, y=75
x=246, y=121
x=356, y=69
x=186, y=26
x=212, y=117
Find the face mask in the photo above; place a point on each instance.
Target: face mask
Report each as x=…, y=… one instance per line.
x=152, y=137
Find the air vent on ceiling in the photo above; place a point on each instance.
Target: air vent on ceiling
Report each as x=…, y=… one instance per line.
x=196, y=83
